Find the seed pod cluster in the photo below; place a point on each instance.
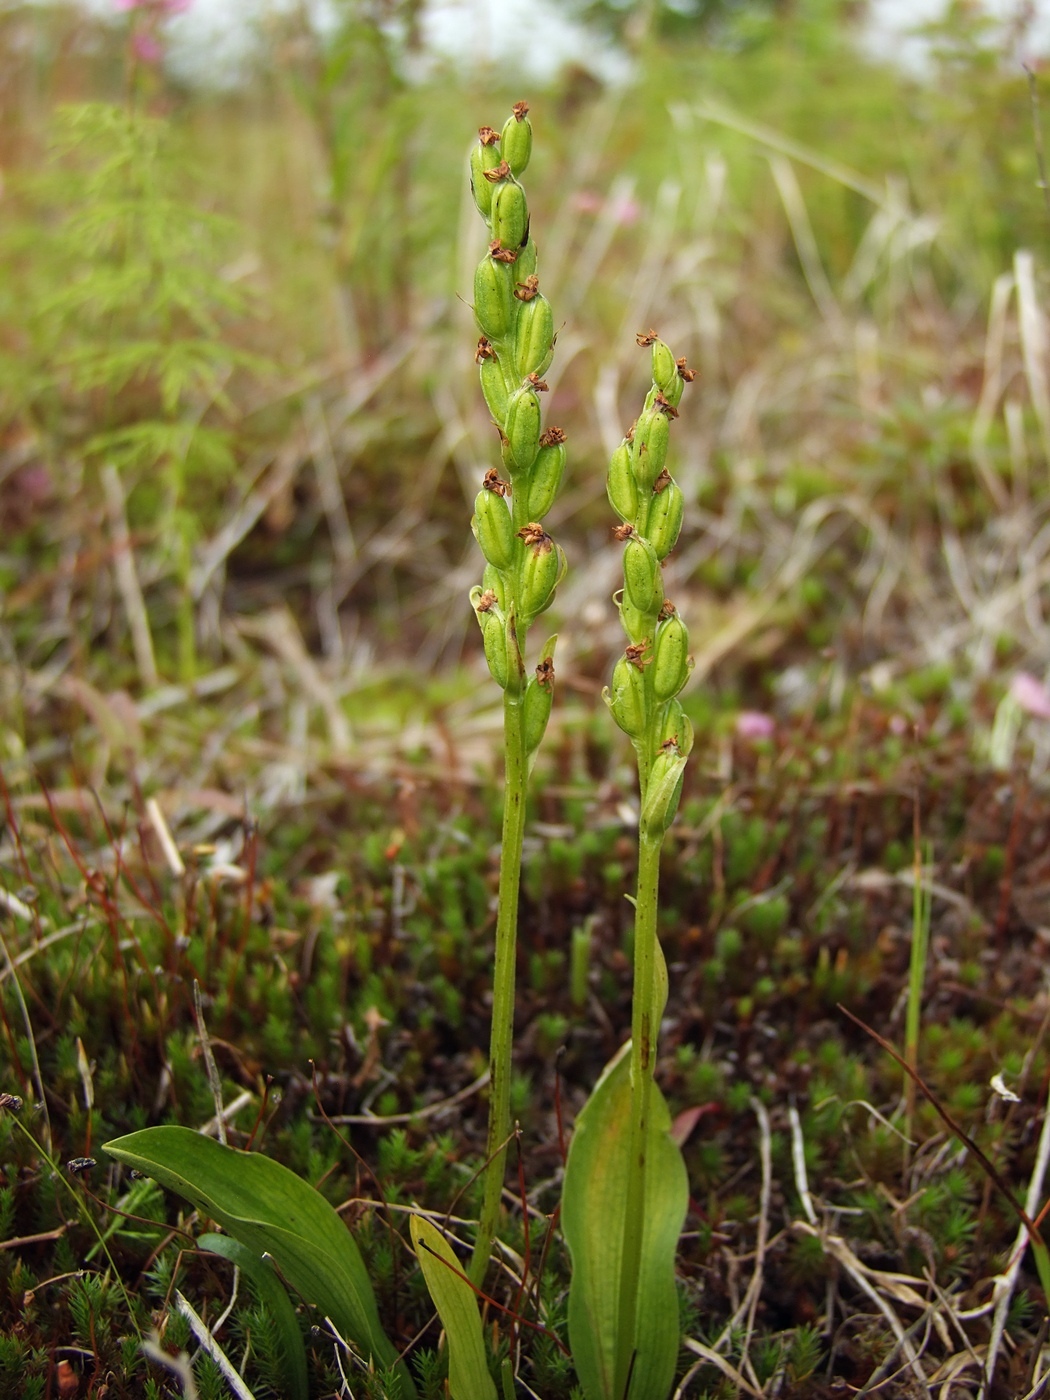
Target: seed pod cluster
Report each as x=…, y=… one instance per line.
x=655, y=665
x=523, y=564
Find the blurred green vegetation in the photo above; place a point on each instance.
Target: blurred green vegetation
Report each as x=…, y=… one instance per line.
x=820, y=231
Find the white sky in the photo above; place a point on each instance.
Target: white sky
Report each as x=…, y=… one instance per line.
x=533, y=34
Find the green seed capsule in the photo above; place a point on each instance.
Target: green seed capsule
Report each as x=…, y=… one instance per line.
x=673, y=395
x=637, y=624
x=484, y=156
x=542, y=571
x=492, y=582
x=516, y=143
x=665, y=519
x=643, y=583
x=494, y=298
x=620, y=485
x=670, y=658
x=494, y=387
x=534, y=336
x=663, y=791
x=537, y=711
x=510, y=215
x=665, y=372
x=493, y=529
x=545, y=479
x=522, y=429
x=494, y=640
x=651, y=439
x=685, y=736
x=626, y=698
x=525, y=266
x=674, y=727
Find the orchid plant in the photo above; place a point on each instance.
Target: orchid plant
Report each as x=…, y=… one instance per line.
x=625, y=1191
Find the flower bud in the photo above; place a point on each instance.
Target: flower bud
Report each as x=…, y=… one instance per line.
x=650, y=447
x=516, y=141
x=543, y=569
x=522, y=429
x=510, y=215
x=620, y=485
x=494, y=529
x=494, y=298
x=643, y=582
x=665, y=519
x=662, y=791
x=484, y=156
x=494, y=387
x=670, y=658
x=534, y=336
x=545, y=478
x=626, y=698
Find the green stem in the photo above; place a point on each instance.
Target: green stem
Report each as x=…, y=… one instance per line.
x=643, y=1061
x=920, y=937
x=501, y=1046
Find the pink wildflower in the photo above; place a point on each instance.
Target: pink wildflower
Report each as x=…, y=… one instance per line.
x=161, y=8
x=624, y=210
x=147, y=48
x=1031, y=694
x=753, y=724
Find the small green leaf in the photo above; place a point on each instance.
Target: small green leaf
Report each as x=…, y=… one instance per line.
x=269, y=1290
x=271, y=1211
x=457, y=1305
x=592, y=1220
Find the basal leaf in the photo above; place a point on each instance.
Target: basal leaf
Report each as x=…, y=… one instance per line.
x=269, y=1289
x=592, y=1220
x=271, y=1211
x=457, y=1305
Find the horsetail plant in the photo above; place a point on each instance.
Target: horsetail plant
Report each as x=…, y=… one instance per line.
x=523, y=565
x=622, y=1164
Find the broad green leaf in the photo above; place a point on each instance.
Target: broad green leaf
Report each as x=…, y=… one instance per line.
x=269, y=1290
x=271, y=1211
x=592, y=1220
x=457, y=1305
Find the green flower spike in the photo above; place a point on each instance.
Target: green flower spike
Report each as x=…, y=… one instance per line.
x=523, y=563
x=621, y=1157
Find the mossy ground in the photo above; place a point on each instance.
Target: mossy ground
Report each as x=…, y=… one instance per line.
x=342, y=942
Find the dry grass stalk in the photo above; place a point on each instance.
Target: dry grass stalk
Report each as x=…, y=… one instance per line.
x=128, y=580
x=211, y=1346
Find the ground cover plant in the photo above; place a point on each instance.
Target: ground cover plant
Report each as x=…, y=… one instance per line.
x=258, y=890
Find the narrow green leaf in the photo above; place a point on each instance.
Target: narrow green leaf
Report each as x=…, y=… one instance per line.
x=593, y=1201
x=271, y=1211
x=269, y=1290
x=457, y=1305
